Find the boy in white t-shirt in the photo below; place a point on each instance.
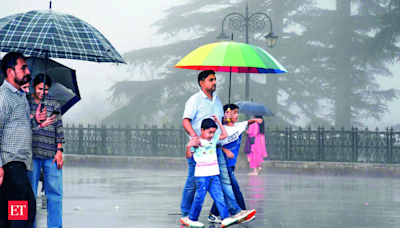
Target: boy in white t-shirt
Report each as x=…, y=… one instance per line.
x=206, y=173
x=230, y=147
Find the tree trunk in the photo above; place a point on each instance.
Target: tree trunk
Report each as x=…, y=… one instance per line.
x=343, y=66
x=272, y=86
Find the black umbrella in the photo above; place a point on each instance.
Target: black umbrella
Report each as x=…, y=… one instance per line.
x=64, y=85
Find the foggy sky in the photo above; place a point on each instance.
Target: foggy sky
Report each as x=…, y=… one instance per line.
x=126, y=24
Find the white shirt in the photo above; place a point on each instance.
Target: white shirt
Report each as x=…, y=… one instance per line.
x=200, y=107
x=232, y=142
x=206, y=158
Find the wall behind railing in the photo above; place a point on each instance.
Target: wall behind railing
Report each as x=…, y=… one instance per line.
x=325, y=145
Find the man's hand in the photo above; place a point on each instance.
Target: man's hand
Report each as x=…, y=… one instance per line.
x=194, y=142
x=49, y=121
x=40, y=116
x=228, y=153
x=58, y=158
x=259, y=120
x=1, y=175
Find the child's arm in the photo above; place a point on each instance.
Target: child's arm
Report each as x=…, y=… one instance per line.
x=258, y=120
x=224, y=134
x=189, y=146
x=228, y=153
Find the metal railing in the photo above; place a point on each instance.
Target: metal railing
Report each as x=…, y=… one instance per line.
x=325, y=145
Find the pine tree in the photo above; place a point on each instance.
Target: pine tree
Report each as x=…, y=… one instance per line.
x=329, y=54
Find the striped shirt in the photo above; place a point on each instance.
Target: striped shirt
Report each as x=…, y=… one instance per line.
x=15, y=126
x=45, y=139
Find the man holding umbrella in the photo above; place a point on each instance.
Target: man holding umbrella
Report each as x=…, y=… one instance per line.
x=16, y=139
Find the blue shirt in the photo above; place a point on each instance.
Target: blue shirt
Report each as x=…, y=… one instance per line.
x=200, y=107
x=232, y=142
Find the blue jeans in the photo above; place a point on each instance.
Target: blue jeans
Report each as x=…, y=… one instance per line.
x=226, y=185
x=236, y=190
x=189, y=189
x=212, y=185
x=53, y=189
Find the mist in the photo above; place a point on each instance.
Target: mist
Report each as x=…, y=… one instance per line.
x=132, y=30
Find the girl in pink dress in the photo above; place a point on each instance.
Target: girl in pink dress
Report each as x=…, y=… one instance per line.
x=258, y=149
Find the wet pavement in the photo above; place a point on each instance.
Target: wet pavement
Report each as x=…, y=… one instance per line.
x=143, y=198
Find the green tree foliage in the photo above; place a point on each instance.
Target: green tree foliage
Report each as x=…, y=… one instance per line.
x=328, y=54
x=353, y=66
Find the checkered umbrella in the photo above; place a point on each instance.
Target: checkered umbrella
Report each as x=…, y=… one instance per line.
x=51, y=34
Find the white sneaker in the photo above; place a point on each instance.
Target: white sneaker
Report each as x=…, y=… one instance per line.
x=244, y=214
x=186, y=221
x=228, y=221
x=249, y=220
x=214, y=219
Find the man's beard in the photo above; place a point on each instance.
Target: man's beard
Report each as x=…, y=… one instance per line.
x=25, y=79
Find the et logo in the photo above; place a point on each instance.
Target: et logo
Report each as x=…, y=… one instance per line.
x=18, y=210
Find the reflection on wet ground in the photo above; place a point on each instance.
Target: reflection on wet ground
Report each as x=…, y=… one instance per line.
x=121, y=197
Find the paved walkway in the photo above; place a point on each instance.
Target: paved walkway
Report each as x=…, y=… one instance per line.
x=143, y=198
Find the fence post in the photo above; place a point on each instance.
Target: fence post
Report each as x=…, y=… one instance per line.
x=391, y=142
x=119, y=151
x=323, y=144
x=366, y=145
x=80, y=144
x=137, y=146
x=356, y=145
x=128, y=139
x=287, y=143
x=377, y=144
x=104, y=150
x=342, y=139
x=352, y=143
x=319, y=143
x=155, y=140
x=290, y=143
x=111, y=141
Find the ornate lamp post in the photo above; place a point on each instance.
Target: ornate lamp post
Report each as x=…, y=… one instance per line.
x=246, y=23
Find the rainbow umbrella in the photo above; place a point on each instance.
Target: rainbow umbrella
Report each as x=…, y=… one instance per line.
x=231, y=57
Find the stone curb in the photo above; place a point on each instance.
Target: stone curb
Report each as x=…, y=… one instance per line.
x=181, y=163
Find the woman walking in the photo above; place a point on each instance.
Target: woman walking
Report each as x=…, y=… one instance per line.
x=47, y=150
x=256, y=140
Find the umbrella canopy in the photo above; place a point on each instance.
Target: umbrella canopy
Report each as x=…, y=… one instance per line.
x=253, y=108
x=64, y=86
x=231, y=57
x=48, y=33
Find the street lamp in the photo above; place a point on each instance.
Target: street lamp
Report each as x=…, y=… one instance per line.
x=246, y=23
x=271, y=39
x=223, y=37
